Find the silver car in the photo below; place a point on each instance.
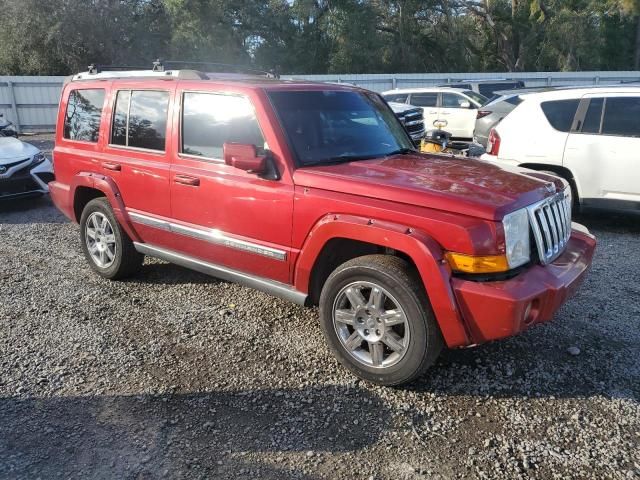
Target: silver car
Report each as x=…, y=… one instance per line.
x=24, y=170
x=489, y=115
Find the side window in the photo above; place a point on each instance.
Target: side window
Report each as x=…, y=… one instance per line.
x=424, y=99
x=464, y=86
x=621, y=117
x=451, y=100
x=82, y=119
x=210, y=120
x=488, y=89
x=560, y=113
x=396, y=97
x=593, y=116
x=140, y=119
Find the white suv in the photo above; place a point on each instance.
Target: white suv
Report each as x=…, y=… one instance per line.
x=589, y=136
x=452, y=109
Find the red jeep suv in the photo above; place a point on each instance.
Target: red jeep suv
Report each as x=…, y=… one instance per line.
x=314, y=193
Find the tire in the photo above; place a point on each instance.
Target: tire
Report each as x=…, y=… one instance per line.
x=369, y=340
x=106, y=246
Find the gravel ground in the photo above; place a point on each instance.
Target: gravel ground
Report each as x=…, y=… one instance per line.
x=176, y=375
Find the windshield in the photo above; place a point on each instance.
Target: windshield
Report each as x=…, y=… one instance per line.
x=330, y=126
x=481, y=99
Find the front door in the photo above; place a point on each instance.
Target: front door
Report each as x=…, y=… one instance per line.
x=222, y=214
x=459, y=114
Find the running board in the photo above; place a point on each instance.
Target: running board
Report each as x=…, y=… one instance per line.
x=276, y=289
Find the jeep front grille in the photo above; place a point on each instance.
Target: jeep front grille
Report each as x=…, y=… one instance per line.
x=551, y=224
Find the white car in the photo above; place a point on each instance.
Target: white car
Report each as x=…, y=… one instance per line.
x=24, y=170
x=451, y=109
x=588, y=136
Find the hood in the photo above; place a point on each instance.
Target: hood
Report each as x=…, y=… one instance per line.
x=12, y=150
x=461, y=185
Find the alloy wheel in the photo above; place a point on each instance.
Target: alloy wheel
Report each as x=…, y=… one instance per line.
x=100, y=239
x=370, y=324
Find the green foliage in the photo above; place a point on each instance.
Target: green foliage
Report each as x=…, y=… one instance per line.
x=322, y=36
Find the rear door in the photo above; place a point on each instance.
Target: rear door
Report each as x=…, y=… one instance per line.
x=135, y=151
x=458, y=114
x=429, y=103
x=602, y=150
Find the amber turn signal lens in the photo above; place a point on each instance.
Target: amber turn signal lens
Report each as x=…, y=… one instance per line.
x=477, y=264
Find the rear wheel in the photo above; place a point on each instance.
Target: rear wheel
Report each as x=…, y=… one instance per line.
x=107, y=247
x=377, y=320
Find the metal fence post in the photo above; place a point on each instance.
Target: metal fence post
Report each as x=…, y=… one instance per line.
x=14, y=107
x=394, y=82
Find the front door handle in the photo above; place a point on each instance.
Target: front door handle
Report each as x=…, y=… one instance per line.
x=116, y=167
x=187, y=180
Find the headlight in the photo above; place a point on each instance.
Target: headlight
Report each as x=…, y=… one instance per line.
x=516, y=234
x=38, y=158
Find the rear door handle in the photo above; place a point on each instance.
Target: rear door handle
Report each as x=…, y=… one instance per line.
x=116, y=167
x=187, y=180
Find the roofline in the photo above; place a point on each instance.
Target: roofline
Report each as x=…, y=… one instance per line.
x=424, y=89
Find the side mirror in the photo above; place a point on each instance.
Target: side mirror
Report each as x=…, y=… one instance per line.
x=244, y=157
x=465, y=104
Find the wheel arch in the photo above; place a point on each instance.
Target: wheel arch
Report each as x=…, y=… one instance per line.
x=336, y=239
x=87, y=186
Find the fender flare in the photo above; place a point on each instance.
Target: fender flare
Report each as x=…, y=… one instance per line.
x=425, y=252
x=107, y=186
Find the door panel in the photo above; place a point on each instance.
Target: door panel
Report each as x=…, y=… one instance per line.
x=460, y=122
x=220, y=213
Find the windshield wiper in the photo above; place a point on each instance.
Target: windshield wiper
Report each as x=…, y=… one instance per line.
x=338, y=159
x=352, y=158
x=401, y=151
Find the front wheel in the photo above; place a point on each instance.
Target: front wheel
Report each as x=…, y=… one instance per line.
x=376, y=318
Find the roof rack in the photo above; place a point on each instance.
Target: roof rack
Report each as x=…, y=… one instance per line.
x=227, y=66
x=161, y=68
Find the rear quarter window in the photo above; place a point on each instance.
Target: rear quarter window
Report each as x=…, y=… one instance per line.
x=82, y=118
x=560, y=113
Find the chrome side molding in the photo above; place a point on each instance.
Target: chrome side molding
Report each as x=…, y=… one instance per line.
x=216, y=237
x=277, y=289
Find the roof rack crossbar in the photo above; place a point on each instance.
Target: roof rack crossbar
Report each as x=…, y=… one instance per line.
x=96, y=68
x=236, y=68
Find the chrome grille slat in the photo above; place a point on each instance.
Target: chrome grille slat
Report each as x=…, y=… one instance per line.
x=558, y=224
x=550, y=222
x=552, y=227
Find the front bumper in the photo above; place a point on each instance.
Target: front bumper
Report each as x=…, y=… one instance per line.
x=493, y=310
x=26, y=181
